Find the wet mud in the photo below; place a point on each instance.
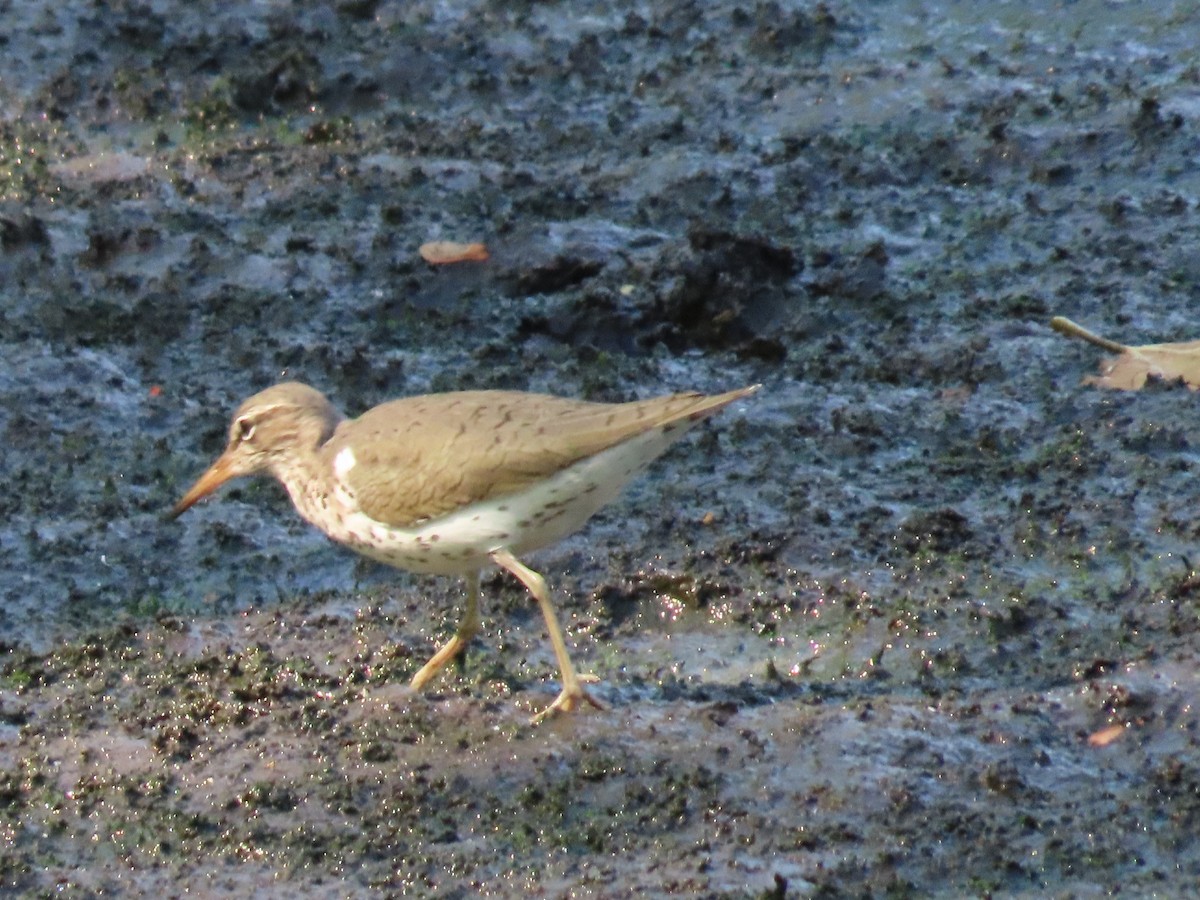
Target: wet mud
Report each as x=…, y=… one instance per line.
x=918, y=619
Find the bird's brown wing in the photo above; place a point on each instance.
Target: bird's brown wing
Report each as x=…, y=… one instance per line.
x=423, y=457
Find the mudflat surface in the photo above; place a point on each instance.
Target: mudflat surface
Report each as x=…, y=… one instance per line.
x=917, y=619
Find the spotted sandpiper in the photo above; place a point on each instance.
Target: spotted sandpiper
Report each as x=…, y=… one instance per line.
x=450, y=484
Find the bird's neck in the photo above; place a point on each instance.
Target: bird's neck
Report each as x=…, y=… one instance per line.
x=303, y=471
x=307, y=484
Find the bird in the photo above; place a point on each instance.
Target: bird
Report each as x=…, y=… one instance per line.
x=455, y=483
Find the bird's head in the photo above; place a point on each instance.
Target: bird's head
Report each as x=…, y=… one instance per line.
x=273, y=431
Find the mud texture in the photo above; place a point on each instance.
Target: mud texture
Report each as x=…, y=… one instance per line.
x=919, y=619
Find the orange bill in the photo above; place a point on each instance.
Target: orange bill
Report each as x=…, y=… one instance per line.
x=218, y=473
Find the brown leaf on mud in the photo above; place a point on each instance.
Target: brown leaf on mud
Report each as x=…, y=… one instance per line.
x=1129, y=370
x=1105, y=736
x=439, y=253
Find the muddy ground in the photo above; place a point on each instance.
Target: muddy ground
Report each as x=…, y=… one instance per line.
x=854, y=635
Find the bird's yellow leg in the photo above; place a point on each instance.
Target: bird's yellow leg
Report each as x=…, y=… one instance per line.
x=572, y=684
x=468, y=627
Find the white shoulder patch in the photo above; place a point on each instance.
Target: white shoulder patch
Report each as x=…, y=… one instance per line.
x=344, y=462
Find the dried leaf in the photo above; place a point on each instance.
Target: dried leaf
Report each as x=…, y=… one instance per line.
x=440, y=253
x=1105, y=736
x=1129, y=370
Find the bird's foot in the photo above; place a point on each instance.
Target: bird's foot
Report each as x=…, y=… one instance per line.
x=423, y=677
x=569, y=698
x=456, y=647
x=436, y=665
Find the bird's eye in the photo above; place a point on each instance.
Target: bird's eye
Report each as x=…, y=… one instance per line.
x=243, y=430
